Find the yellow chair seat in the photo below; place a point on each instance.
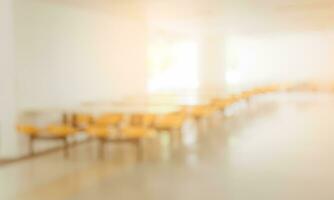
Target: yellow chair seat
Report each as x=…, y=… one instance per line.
x=60, y=130
x=246, y=95
x=137, y=132
x=109, y=120
x=97, y=131
x=143, y=120
x=222, y=103
x=170, y=122
x=202, y=111
x=28, y=129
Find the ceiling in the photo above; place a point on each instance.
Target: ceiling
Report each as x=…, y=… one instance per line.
x=236, y=16
x=243, y=16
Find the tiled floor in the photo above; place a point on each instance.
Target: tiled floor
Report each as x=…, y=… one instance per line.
x=278, y=147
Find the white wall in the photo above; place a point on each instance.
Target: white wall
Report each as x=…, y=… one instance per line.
x=68, y=54
x=286, y=57
x=8, y=137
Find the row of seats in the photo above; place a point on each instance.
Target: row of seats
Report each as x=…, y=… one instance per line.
x=118, y=128
x=109, y=127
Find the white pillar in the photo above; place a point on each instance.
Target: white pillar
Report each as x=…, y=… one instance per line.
x=8, y=136
x=212, y=63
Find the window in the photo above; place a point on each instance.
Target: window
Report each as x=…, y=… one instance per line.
x=173, y=65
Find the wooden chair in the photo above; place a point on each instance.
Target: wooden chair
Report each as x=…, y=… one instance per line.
x=60, y=132
x=31, y=131
x=201, y=114
x=52, y=132
x=222, y=104
x=171, y=123
x=111, y=120
x=142, y=120
x=203, y=111
x=82, y=121
x=129, y=135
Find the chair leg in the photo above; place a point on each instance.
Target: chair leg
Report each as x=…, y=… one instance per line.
x=180, y=136
x=31, y=145
x=177, y=137
x=66, y=149
x=140, y=152
x=198, y=125
x=101, y=149
x=171, y=139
